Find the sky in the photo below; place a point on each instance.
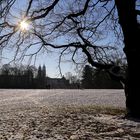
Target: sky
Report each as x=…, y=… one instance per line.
x=51, y=63
x=50, y=60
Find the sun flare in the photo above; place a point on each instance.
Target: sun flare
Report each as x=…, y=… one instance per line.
x=24, y=25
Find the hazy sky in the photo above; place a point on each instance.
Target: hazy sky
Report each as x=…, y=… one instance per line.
x=50, y=60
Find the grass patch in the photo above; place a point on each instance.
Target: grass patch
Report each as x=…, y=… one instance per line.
x=92, y=109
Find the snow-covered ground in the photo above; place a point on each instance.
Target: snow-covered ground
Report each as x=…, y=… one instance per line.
x=16, y=98
x=64, y=115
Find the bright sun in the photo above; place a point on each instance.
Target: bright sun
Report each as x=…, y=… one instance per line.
x=24, y=25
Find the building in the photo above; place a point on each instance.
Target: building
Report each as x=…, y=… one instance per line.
x=57, y=83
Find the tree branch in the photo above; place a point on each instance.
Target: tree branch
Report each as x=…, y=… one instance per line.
x=46, y=12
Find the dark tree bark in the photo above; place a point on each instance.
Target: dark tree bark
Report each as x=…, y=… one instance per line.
x=130, y=27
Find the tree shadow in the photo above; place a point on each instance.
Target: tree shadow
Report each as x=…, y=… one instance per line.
x=132, y=118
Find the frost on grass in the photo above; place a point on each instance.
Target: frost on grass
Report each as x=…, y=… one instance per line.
x=69, y=123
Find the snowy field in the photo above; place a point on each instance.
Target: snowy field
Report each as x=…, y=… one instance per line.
x=17, y=98
x=64, y=115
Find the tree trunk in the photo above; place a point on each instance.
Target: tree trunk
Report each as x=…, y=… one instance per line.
x=128, y=21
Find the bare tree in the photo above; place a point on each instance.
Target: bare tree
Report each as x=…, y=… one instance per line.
x=128, y=19
x=86, y=29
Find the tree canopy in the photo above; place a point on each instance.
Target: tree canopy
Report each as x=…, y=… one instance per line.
x=80, y=29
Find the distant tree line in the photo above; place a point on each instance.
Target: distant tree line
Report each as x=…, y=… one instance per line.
x=93, y=78
x=22, y=77
x=30, y=77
